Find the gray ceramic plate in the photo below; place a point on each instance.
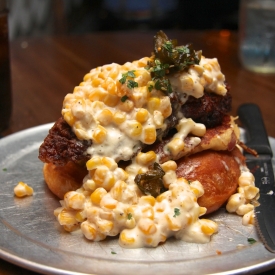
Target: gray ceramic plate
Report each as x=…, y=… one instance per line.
x=31, y=237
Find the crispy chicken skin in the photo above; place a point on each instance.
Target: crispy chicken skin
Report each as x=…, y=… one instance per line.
x=209, y=109
x=61, y=146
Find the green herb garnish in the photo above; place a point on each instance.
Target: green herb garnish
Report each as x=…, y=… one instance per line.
x=151, y=183
x=251, y=240
x=130, y=83
x=176, y=212
x=129, y=216
x=124, y=98
x=5, y=169
x=169, y=58
x=113, y=252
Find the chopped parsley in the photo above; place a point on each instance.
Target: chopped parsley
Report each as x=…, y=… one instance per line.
x=129, y=216
x=124, y=98
x=150, y=87
x=176, y=212
x=5, y=169
x=251, y=240
x=130, y=83
x=113, y=252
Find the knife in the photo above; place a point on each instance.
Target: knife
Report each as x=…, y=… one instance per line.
x=261, y=167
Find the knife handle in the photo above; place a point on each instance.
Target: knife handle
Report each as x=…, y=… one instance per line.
x=251, y=118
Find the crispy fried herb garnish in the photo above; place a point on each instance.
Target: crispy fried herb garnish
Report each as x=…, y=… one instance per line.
x=177, y=57
x=168, y=58
x=151, y=183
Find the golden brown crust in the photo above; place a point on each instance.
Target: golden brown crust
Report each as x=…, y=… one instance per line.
x=61, y=179
x=223, y=137
x=218, y=172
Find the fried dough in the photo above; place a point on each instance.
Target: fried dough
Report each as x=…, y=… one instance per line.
x=61, y=179
x=218, y=172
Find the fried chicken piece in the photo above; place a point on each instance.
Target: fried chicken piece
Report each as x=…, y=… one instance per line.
x=222, y=137
x=218, y=172
x=209, y=109
x=61, y=146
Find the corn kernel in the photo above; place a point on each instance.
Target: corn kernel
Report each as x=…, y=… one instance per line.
x=249, y=218
x=147, y=226
x=108, y=202
x=93, y=163
x=102, y=75
x=125, y=238
x=104, y=226
x=207, y=78
x=100, y=174
x=119, y=117
x=173, y=223
x=158, y=118
x=114, y=73
x=208, y=227
x=96, y=82
x=111, y=100
x=244, y=209
x=67, y=217
x=147, y=200
x=175, y=146
x=57, y=211
x=234, y=202
x=246, y=179
x=199, y=69
x=105, y=117
x=80, y=216
x=187, y=83
x=22, y=190
x=99, y=134
x=126, y=106
x=148, y=212
x=69, y=118
x=98, y=94
x=118, y=189
x=169, y=165
x=74, y=200
x=153, y=104
x=250, y=192
x=97, y=195
x=142, y=115
x=134, y=128
x=90, y=232
x=150, y=135
x=147, y=158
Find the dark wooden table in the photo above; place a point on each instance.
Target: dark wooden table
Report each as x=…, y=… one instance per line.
x=45, y=69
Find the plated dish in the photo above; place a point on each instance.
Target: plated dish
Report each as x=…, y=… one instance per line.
x=32, y=238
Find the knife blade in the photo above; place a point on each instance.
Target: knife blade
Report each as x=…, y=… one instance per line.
x=262, y=169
